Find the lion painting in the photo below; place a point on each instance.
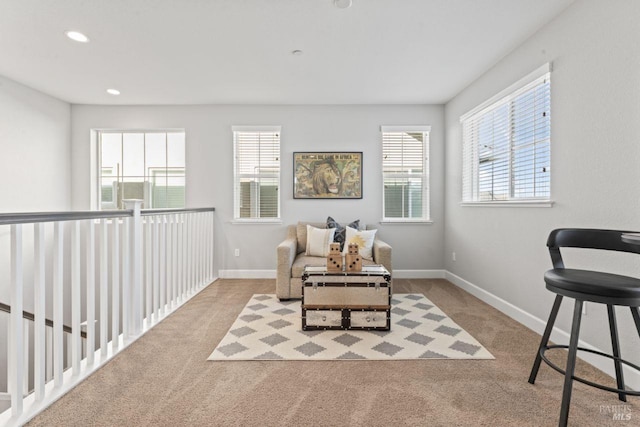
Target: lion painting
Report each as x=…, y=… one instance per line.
x=327, y=175
x=326, y=178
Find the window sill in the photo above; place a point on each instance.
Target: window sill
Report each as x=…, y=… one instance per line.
x=256, y=221
x=512, y=204
x=405, y=221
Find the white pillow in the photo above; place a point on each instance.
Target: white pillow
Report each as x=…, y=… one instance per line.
x=363, y=238
x=318, y=240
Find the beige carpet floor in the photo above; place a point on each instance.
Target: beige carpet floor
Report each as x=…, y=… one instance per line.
x=164, y=378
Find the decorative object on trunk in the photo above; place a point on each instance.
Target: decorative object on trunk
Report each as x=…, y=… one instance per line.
x=334, y=259
x=353, y=260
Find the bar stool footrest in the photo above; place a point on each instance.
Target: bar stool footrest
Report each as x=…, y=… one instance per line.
x=587, y=382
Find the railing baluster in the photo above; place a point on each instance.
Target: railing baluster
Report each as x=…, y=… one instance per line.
x=181, y=257
x=148, y=227
x=203, y=248
x=39, y=338
x=135, y=292
x=169, y=251
x=209, y=246
x=115, y=284
x=91, y=292
x=104, y=290
x=76, y=344
x=191, y=257
x=16, y=361
x=185, y=255
x=213, y=245
x=174, y=261
x=163, y=264
x=199, y=247
x=126, y=275
x=58, y=297
x=156, y=267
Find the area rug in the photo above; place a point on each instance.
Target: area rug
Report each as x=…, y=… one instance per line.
x=270, y=329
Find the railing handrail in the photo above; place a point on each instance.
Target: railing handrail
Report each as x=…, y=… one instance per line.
x=147, y=212
x=34, y=217
x=31, y=317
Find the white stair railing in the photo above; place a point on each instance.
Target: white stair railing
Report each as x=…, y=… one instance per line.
x=111, y=275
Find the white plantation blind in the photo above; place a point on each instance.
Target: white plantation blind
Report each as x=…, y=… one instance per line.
x=405, y=172
x=506, y=146
x=256, y=172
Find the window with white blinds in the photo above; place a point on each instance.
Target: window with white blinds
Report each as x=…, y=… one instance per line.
x=256, y=172
x=506, y=144
x=405, y=173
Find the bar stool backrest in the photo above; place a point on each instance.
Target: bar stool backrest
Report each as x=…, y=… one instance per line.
x=587, y=238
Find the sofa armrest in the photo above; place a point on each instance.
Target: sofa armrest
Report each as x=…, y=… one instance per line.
x=286, y=252
x=382, y=254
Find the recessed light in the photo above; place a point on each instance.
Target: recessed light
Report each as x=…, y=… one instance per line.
x=77, y=36
x=113, y=91
x=342, y=4
x=296, y=52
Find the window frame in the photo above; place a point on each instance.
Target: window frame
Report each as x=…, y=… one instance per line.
x=425, y=175
x=470, y=163
x=236, y=193
x=96, y=141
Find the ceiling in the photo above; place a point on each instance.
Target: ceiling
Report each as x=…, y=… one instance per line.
x=240, y=51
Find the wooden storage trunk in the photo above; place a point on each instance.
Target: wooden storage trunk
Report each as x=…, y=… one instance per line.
x=346, y=300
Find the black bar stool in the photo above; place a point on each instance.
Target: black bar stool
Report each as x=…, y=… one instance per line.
x=593, y=286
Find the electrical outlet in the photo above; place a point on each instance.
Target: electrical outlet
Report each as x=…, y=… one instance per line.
x=237, y=252
x=453, y=256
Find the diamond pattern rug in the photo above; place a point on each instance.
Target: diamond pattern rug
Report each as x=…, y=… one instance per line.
x=270, y=329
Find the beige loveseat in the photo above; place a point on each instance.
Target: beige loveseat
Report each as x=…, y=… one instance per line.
x=292, y=259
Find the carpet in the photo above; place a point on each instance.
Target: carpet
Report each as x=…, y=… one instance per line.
x=270, y=329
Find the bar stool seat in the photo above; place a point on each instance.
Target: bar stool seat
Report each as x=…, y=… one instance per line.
x=593, y=286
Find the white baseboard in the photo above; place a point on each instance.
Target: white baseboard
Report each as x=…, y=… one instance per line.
x=632, y=377
x=247, y=274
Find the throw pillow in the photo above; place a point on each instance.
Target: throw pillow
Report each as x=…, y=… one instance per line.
x=363, y=238
x=340, y=230
x=318, y=240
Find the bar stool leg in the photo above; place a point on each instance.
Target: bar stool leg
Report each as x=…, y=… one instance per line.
x=571, y=364
x=615, y=344
x=636, y=317
x=545, y=338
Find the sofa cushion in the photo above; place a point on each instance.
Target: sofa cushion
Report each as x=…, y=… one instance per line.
x=364, y=239
x=340, y=229
x=301, y=233
x=303, y=260
x=318, y=240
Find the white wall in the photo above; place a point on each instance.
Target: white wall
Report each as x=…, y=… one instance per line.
x=35, y=147
x=34, y=172
x=209, y=160
x=595, y=119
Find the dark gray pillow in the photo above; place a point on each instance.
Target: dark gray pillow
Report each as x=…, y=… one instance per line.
x=340, y=234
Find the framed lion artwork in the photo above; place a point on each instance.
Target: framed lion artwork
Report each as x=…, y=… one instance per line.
x=327, y=175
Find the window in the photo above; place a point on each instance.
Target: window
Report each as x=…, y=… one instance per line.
x=506, y=144
x=147, y=165
x=405, y=173
x=256, y=172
